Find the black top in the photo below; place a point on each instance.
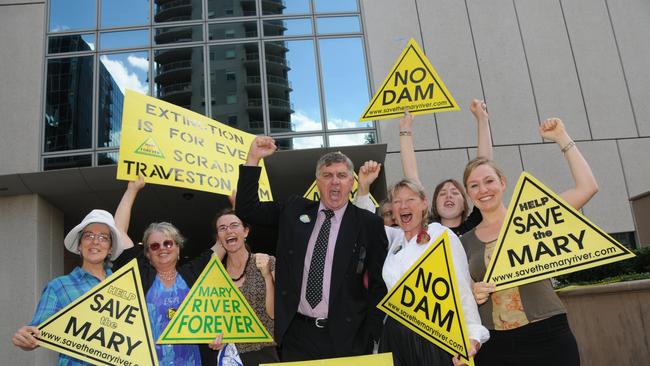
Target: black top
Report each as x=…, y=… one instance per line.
x=471, y=222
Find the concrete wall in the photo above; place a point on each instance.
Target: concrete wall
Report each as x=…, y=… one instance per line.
x=32, y=247
x=611, y=322
x=21, y=76
x=584, y=61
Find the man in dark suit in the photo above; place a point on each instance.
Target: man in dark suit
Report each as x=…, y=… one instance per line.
x=322, y=308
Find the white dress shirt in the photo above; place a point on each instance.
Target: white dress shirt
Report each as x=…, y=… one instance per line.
x=399, y=261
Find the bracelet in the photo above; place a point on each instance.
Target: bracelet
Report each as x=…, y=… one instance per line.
x=405, y=133
x=567, y=147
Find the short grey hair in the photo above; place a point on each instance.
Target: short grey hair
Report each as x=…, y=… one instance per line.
x=165, y=228
x=334, y=157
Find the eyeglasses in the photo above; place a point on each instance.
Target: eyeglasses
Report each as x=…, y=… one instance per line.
x=233, y=226
x=90, y=236
x=167, y=244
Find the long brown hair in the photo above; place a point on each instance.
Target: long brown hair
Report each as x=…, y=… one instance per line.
x=435, y=215
x=224, y=212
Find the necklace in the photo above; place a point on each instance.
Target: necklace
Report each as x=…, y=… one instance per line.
x=167, y=276
x=243, y=272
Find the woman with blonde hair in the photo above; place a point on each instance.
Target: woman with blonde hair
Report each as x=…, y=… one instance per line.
x=165, y=281
x=407, y=243
x=528, y=324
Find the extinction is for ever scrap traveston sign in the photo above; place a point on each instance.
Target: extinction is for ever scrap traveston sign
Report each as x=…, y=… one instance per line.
x=411, y=84
x=174, y=146
x=426, y=300
x=108, y=325
x=214, y=305
x=543, y=236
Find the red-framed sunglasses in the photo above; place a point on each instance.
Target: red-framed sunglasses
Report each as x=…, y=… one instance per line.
x=168, y=244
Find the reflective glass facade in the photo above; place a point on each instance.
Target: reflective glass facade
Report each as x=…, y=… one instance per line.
x=293, y=69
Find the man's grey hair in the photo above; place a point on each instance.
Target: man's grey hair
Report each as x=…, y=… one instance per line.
x=334, y=157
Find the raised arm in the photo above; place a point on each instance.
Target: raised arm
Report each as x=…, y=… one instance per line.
x=368, y=173
x=123, y=211
x=585, y=182
x=406, y=149
x=261, y=147
x=247, y=202
x=479, y=110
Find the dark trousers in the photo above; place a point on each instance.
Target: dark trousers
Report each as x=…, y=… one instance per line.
x=264, y=355
x=304, y=341
x=409, y=348
x=543, y=343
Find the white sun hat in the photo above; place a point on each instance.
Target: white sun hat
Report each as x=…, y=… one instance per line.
x=95, y=217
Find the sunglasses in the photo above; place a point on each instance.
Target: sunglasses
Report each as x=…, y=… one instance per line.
x=167, y=244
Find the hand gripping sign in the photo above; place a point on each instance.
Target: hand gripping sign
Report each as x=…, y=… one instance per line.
x=108, y=325
x=411, y=84
x=543, y=237
x=426, y=300
x=213, y=306
x=173, y=146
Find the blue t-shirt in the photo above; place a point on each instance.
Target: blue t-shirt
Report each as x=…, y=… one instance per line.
x=159, y=302
x=60, y=292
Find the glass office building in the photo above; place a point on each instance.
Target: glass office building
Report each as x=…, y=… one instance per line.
x=292, y=69
x=302, y=71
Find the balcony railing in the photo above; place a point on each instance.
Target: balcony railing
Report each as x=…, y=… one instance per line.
x=174, y=88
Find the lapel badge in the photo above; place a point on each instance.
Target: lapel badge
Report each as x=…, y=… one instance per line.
x=304, y=218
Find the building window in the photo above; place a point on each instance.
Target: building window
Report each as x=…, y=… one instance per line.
x=275, y=70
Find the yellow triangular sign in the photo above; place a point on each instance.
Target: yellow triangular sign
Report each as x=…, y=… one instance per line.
x=150, y=148
x=426, y=300
x=108, y=325
x=314, y=194
x=411, y=84
x=543, y=237
x=213, y=306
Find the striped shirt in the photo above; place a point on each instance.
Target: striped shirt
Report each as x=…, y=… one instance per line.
x=60, y=292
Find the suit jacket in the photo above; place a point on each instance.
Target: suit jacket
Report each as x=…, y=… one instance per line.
x=353, y=319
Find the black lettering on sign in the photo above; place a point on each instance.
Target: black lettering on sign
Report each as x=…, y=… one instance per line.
x=415, y=76
x=186, y=137
x=114, y=308
x=115, y=339
x=232, y=151
x=265, y=195
x=145, y=125
x=538, y=221
x=560, y=245
x=439, y=288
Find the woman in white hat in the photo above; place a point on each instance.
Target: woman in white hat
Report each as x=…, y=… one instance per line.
x=95, y=239
x=164, y=282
